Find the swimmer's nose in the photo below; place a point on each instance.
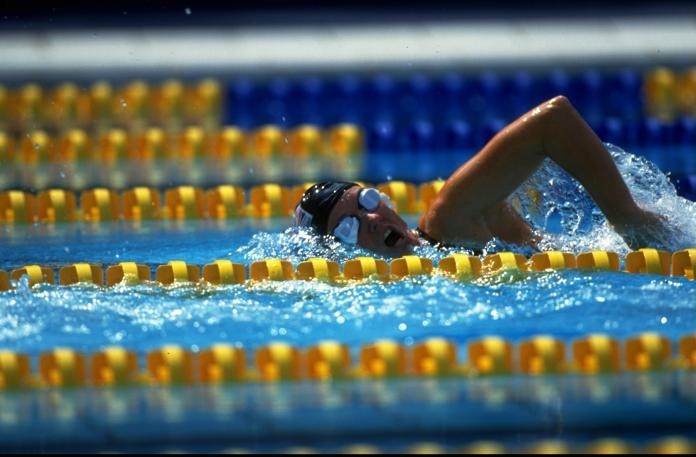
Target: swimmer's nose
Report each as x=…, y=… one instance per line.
x=372, y=222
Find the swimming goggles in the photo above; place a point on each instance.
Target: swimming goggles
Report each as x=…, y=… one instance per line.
x=368, y=199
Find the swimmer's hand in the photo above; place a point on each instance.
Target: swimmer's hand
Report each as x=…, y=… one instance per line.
x=645, y=229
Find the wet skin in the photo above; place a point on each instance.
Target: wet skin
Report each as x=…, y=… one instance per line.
x=375, y=226
x=472, y=203
x=471, y=208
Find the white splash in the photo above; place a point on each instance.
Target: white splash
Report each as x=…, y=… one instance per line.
x=566, y=204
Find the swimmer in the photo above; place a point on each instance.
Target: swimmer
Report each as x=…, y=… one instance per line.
x=471, y=209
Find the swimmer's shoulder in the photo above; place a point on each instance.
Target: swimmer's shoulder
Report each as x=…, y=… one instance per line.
x=451, y=227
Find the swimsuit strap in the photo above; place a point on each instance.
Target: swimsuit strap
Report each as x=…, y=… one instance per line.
x=427, y=237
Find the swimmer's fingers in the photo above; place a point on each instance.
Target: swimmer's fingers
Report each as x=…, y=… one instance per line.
x=647, y=230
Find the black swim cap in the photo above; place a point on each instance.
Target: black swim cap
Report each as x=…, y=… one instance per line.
x=317, y=202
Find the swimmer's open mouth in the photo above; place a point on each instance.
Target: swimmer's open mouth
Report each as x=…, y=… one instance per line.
x=391, y=237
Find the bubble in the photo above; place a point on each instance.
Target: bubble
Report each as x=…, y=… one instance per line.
x=568, y=219
x=567, y=303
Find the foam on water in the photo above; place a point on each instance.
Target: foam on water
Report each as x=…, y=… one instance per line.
x=566, y=204
x=566, y=304
x=554, y=203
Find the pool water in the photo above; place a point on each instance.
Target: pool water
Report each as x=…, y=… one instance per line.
x=565, y=304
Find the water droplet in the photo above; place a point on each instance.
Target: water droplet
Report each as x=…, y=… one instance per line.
x=188, y=11
x=403, y=326
x=123, y=103
x=663, y=320
x=37, y=146
x=62, y=174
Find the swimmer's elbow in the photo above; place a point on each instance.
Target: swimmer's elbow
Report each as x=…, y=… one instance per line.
x=559, y=103
x=560, y=100
x=556, y=113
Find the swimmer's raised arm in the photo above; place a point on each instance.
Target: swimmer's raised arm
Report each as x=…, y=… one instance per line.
x=471, y=204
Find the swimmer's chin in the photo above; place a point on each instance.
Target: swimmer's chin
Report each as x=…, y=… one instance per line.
x=405, y=247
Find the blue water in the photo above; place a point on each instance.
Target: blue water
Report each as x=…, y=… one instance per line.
x=565, y=304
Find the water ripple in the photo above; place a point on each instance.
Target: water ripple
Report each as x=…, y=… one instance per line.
x=566, y=304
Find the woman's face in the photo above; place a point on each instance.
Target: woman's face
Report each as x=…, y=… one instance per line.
x=381, y=231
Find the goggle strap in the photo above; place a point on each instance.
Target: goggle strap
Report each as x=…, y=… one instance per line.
x=302, y=217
